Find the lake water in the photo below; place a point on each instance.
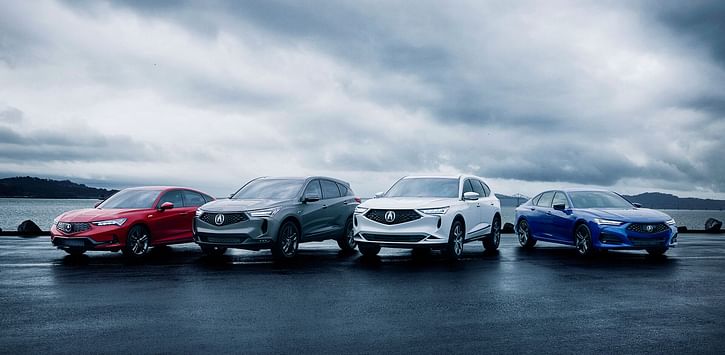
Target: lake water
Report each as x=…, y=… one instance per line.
x=42, y=211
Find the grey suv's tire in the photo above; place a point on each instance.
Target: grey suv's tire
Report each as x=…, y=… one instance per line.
x=523, y=232
x=346, y=241
x=583, y=241
x=456, y=237
x=656, y=251
x=212, y=250
x=369, y=250
x=288, y=240
x=138, y=242
x=492, y=242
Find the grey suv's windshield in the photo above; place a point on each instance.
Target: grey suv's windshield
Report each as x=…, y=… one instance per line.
x=598, y=199
x=270, y=189
x=131, y=199
x=424, y=187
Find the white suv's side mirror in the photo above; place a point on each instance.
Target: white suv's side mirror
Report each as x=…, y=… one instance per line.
x=379, y=194
x=471, y=196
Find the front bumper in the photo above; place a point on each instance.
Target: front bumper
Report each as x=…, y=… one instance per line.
x=429, y=231
x=106, y=238
x=252, y=234
x=621, y=238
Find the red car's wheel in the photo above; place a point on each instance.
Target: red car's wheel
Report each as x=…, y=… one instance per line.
x=137, y=242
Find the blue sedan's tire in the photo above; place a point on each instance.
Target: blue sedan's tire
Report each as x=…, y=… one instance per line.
x=583, y=240
x=524, y=234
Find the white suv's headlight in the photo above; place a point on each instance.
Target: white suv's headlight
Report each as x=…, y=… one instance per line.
x=671, y=222
x=118, y=222
x=199, y=212
x=438, y=210
x=361, y=210
x=607, y=222
x=267, y=212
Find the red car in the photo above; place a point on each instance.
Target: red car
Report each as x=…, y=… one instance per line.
x=132, y=220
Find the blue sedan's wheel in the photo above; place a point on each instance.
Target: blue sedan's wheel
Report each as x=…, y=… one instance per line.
x=524, y=233
x=583, y=240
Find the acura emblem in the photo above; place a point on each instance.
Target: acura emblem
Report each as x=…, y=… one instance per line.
x=389, y=216
x=219, y=219
x=67, y=227
x=650, y=228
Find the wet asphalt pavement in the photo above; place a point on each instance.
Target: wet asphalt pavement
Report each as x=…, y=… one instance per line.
x=546, y=300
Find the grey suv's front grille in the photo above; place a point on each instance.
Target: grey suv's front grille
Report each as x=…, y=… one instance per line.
x=73, y=227
x=398, y=216
x=393, y=238
x=229, y=218
x=648, y=228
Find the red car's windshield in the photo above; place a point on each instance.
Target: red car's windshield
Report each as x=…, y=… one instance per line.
x=131, y=199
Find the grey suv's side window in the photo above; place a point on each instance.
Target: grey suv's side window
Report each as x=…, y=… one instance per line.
x=313, y=188
x=343, y=190
x=193, y=199
x=478, y=188
x=545, y=199
x=329, y=189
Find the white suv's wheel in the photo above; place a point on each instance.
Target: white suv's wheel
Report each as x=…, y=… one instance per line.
x=454, y=250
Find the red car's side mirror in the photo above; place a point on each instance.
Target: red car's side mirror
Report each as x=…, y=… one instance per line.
x=166, y=206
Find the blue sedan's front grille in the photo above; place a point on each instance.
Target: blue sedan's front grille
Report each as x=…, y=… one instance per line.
x=647, y=242
x=648, y=228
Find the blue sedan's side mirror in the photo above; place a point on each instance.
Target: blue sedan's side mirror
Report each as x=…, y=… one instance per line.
x=559, y=206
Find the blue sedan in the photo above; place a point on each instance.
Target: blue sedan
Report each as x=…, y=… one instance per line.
x=593, y=220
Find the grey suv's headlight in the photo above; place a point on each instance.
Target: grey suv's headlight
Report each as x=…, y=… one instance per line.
x=607, y=222
x=361, y=210
x=438, y=210
x=199, y=212
x=267, y=212
x=118, y=222
x=671, y=222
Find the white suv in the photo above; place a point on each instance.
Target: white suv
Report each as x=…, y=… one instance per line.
x=429, y=212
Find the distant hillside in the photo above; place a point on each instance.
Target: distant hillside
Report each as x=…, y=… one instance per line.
x=33, y=187
x=667, y=201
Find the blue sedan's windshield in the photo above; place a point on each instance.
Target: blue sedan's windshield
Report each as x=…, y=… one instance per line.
x=131, y=199
x=271, y=189
x=424, y=187
x=598, y=199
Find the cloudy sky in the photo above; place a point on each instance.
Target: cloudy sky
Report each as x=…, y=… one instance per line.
x=528, y=94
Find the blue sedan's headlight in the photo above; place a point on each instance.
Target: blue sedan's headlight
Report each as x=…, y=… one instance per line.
x=671, y=222
x=607, y=222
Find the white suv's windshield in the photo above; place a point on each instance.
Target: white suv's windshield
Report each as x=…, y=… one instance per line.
x=131, y=199
x=424, y=187
x=271, y=189
x=598, y=199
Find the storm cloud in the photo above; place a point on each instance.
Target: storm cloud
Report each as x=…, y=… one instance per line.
x=624, y=95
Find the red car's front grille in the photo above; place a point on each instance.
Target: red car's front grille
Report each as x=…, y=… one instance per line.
x=73, y=227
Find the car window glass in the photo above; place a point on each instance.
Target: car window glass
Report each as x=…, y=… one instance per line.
x=329, y=189
x=313, y=188
x=485, y=188
x=343, y=189
x=173, y=197
x=467, y=187
x=478, y=188
x=535, y=200
x=193, y=199
x=208, y=198
x=545, y=200
x=560, y=199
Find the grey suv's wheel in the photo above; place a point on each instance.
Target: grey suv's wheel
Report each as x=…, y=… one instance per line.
x=288, y=240
x=369, y=250
x=454, y=250
x=492, y=242
x=583, y=240
x=212, y=250
x=138, y=241
x=346, y=241
x=523, y=232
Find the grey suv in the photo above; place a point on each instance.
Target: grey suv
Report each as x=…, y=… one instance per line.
x=278, y=214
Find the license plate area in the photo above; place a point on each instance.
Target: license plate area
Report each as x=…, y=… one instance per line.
x=75, y=243
x=223, y=240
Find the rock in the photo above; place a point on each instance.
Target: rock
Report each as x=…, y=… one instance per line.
x=507, y=228
x=29, y=227
x=681, y=229
x=712, y=225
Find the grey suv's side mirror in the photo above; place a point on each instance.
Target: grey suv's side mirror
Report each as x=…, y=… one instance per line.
x=311, y=198
x=379, y=194
x=468, y=196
